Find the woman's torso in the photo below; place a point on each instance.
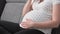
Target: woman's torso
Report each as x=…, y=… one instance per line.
x=41, y=12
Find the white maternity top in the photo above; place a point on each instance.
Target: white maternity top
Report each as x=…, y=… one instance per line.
x=41, y=12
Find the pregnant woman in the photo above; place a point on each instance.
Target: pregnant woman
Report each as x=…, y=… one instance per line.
x=42, y=15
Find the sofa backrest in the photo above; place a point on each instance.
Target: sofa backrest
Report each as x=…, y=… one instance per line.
x=16, y=1
x=13, y=10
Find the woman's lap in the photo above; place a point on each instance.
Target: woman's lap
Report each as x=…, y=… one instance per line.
x=29, y=31
x=14, y=28
x=3, y=31
x=10, y=26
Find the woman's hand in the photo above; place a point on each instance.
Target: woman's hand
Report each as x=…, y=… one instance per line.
x=27, y=24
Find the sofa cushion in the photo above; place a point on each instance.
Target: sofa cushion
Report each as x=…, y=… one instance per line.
x=16, y=1
x=12, y=12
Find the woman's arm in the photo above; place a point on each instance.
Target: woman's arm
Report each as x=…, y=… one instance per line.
x=27, y=7
x=54, y=23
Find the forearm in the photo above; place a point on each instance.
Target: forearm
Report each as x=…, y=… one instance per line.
x=27, y=7
x=46, y=24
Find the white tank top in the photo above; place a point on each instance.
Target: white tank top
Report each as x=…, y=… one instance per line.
x=41, y=12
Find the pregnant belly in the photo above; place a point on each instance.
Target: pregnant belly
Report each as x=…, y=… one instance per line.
x=37, y=16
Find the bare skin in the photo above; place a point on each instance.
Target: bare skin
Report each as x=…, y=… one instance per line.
x=27, y=7
x=54, y=23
